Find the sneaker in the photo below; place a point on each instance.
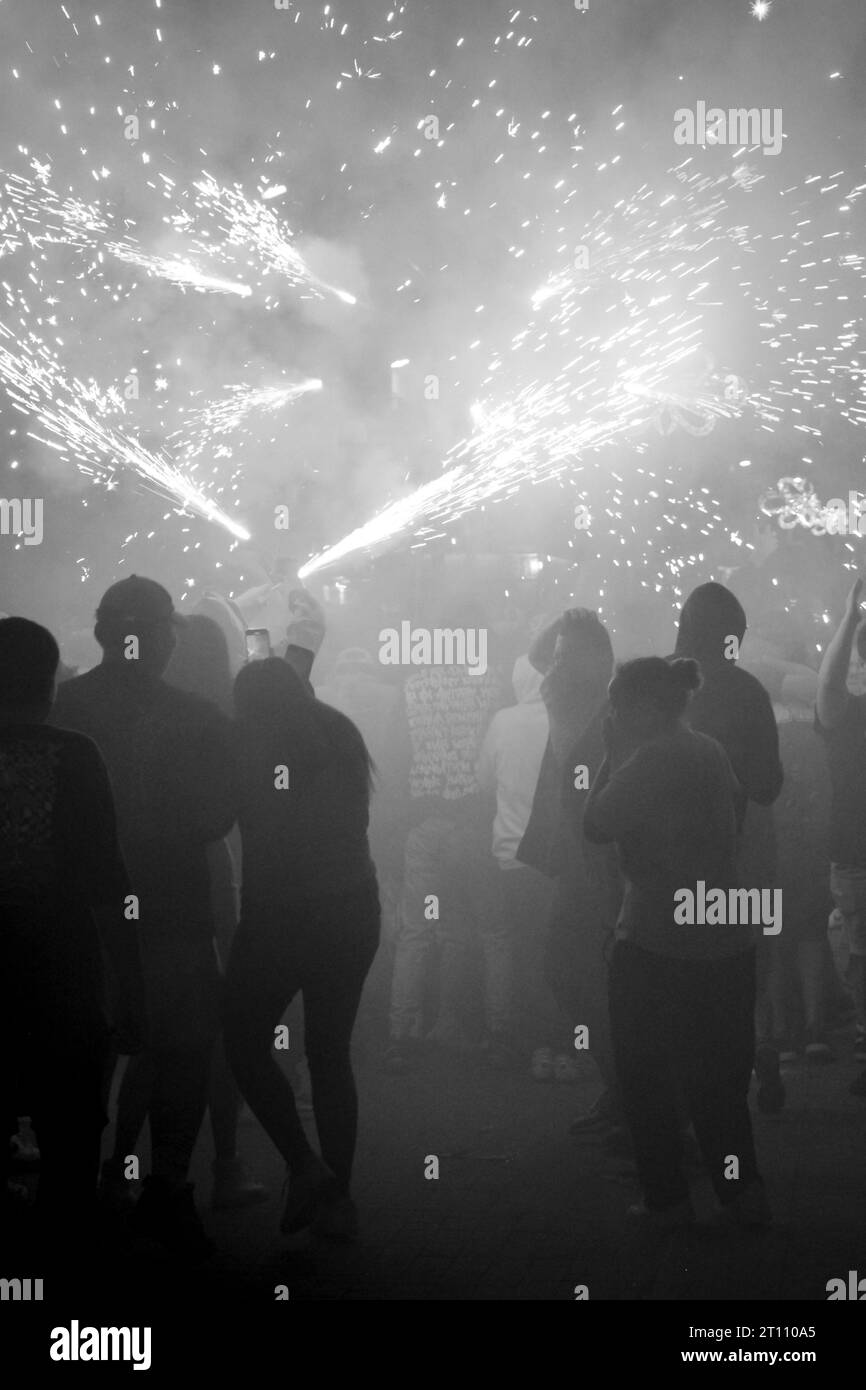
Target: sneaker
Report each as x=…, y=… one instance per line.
x=541, y=1066
x=771, y=1092
x=818, y=1050
x=233, y=1187
x=308, y=1188
x=676, y=1218
x=402, y=1055
x=338, y=1220
x=786, y=1050
x=565, y=1069
x=168, y=1216
x=860, y=1045
x=858, y=1087
x=750, y=1209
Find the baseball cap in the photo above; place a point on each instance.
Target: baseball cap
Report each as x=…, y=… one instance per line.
x=136, y=602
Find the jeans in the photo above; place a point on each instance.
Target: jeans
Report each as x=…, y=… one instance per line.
x=445, y=859
x=323, y=947
x=685, y=1025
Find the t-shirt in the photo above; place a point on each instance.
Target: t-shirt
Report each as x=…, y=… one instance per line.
x=168, y=755
x=448, y=711
x=59, y=860
x=846, y=759
x=671, y=809
x=734, y=708
x=306, y=837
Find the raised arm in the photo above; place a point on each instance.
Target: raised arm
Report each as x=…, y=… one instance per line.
x=832, y=678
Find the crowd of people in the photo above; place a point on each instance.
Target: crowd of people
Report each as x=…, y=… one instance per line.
x=190, y=839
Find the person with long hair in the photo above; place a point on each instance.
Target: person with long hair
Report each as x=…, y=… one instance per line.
x=309, y=923
x=682, y=995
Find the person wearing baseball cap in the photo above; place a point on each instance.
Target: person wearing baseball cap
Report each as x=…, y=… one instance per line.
x=168, y=754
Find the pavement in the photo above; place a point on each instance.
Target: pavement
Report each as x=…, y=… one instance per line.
x=522, y=1210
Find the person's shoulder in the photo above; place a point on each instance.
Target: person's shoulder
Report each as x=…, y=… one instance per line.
x=77, y=688
x=748, y=685
x=195, y=709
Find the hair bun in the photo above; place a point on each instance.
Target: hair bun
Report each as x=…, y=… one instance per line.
x=686, y=673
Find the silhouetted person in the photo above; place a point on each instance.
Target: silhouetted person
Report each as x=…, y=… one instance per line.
x=168, y=754
x=201, y=665
x=63, y=890
x=576, y=658
x=734, y=708
x=682, y=994
x=841, y=721
x=309, y=923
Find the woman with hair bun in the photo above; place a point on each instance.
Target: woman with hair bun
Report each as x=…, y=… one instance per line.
x=682, y=996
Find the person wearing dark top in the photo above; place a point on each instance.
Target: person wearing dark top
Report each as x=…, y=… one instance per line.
x=168, y=754
x=731, y=705
x=309, y=923
x=682, y=996
x=734, y=708
x=63, y=891
x=841, y=721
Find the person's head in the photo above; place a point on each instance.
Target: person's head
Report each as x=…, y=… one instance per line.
x=649, y=695
x=275, y=711
x=354, y=661
x=710, y=616
x=200, y=661
x=29, y=657
x=141, y=609
x=267, y=692
x=586, y=642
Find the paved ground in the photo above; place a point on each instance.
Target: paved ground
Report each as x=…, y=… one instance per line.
x=523, y=1211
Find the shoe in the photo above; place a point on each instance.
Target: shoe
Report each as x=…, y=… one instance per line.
x=565, y=1069
x=675, y=1218
x=338, y=1220
x=786, y=1050
x=818, y=1050
x=233, y=1187
x=771, y=1092
x=858, y=1087
x=168, y=1216
x=602, y=1115
x=541, y=1066
x=309, y=1187
x=750, y=1209
x=402, y=1055
x=860, y=1045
